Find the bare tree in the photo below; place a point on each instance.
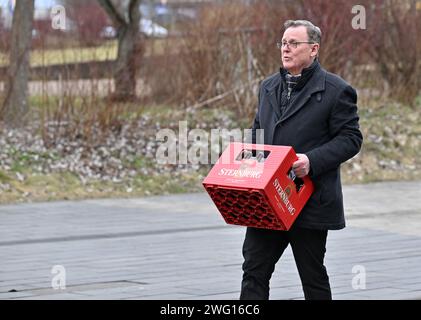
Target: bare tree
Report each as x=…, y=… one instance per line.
x=126, y=17
x=16, y=100
x=394, y=25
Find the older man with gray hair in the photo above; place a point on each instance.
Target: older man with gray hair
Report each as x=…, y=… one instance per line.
x=315, y=112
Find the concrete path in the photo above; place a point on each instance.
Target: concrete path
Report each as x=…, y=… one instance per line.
x=178, y=247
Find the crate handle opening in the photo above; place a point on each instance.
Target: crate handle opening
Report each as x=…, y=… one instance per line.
x=299, y=183
x=253, y=154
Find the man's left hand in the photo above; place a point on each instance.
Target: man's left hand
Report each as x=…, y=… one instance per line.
x=301, y=167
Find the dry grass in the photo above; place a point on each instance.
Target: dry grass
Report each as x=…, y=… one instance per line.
x=65, y=186
x=104, y=52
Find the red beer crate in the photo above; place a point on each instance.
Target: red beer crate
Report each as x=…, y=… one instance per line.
x=254, y=185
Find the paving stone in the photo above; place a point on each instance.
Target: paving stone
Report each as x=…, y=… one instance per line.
x=178, y=247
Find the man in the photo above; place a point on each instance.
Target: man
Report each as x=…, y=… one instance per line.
x=315, y=112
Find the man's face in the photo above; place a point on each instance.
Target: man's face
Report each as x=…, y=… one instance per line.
x=296, y=59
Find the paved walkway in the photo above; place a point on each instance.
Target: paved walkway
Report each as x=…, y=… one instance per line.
x=178, y=247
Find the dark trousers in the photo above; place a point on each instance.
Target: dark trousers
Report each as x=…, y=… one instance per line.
x=262, y=249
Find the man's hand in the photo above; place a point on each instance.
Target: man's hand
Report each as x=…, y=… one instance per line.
x=301, y=167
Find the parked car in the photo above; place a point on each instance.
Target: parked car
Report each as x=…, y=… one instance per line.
x=146, y=26
x=108, y=32
x=152, y=29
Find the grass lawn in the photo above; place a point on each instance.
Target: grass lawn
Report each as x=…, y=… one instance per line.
x=106, y=51
x=66, y=186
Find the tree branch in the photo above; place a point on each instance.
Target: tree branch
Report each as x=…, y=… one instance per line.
x=113, y=13
x=134, y=12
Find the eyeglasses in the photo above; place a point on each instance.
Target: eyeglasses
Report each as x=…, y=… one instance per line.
x=291, y=44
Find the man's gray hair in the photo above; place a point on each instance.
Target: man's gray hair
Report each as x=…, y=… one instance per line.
x=313, y=32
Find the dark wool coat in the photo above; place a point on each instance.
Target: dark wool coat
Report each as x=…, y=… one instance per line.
x=321, y=122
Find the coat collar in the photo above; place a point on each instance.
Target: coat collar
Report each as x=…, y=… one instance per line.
x=315, y=84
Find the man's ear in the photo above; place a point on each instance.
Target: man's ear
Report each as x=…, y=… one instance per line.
x=315, y=50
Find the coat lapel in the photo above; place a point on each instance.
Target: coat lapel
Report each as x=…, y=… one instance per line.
x=272, y=96
x=315, y=84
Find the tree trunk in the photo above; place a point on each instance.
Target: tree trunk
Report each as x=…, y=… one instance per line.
x=129, y=52
x=129, y=48
x=16, y=101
